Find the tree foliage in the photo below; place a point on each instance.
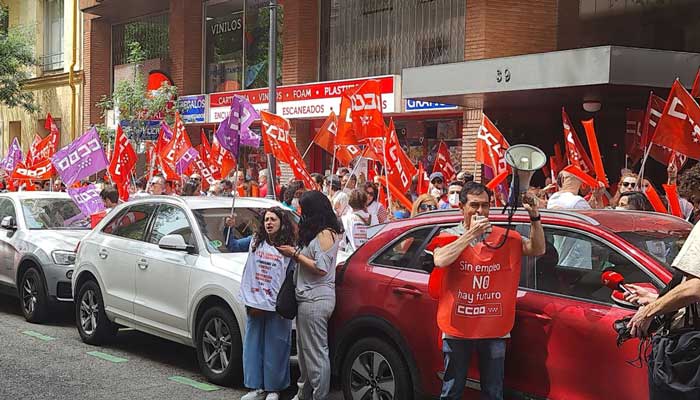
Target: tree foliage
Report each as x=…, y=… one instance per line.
x=16, y=58
x=132, y=101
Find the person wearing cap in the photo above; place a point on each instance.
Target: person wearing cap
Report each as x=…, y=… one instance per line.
x=465, y=177
x=436, y=187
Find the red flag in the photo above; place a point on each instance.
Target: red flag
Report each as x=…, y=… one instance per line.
x=595, y=152
x=204, y=142
x=40, y=171
x=33, y=147
x=491, y=146
x=223, y=159
x=345, y=154
x=278, y=141
x=423, y=181
x=123, y=161
x=205, y=153
x=398, y=166
x=444, y=164
x=325, y=138
x=345, y=134
x=678, y=127
x=695, y=90
x=574, y=148
x=662, y=154
x=366, y=104
x=49, y=124
x=633, y=134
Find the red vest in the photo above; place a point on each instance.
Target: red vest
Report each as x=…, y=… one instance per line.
x=478, y=291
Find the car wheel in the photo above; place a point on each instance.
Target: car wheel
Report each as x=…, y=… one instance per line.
x=32, y=296
x=219, y=347
x=90, y=317
x=373, y=369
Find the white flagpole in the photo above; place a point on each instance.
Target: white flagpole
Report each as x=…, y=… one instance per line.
x=335, y=148
x=641, y=169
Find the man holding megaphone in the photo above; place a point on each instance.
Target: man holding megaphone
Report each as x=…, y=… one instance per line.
x=477, y=272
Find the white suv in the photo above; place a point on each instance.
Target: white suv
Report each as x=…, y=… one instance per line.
x=159, y=265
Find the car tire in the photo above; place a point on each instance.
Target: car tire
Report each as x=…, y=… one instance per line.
x=32, y=296
x=93, y=325
x=375, y=354
x=221, y=361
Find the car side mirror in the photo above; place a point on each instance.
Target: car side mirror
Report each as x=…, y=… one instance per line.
x=8, y=223
x=176, y=243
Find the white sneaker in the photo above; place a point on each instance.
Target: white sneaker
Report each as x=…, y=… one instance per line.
x=254, y=395
x=273, y=396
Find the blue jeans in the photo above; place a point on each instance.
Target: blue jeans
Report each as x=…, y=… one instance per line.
x=492, y=356
x=266, y=348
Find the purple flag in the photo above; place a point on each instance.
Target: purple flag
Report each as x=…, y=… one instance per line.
x=228, y=133
x=167, y=132
x=248, y=116
x=87, y=199
x=80, y=159
x=185, y=161
x=14, y=156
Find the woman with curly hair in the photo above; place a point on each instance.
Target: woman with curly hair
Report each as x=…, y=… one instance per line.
x=689, y=188
x=268, y=339
x=320, y=233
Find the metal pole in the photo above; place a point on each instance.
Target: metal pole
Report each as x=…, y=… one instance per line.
x=272, y=94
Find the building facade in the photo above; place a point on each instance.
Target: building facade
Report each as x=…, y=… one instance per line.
x=51, y=24
x=214, y=48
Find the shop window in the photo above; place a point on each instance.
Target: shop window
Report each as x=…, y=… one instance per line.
x=224, y=45
x=257, y=27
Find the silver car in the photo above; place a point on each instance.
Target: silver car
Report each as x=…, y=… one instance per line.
x=39, y=232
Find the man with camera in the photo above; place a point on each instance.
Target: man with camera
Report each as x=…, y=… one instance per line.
x=477, y=274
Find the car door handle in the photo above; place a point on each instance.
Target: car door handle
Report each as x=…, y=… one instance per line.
x=103, y=254
x=537, y=316
x=142, y=263
x=408, y=291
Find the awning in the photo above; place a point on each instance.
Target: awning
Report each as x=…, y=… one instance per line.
x=557, y=74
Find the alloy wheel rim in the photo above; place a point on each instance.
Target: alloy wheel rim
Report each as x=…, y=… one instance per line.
x=88, y=312
x=216, y=345
x=371, y=377
x=29, y=294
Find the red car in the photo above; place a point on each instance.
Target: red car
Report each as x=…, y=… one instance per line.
x=384, y=336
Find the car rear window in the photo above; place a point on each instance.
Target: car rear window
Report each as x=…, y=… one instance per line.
x=663, y=246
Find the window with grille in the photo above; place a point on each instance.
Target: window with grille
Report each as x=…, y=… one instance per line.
x=377, y=37
x=151, y=32
x=52, y=59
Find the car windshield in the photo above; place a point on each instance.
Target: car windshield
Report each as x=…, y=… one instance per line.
x=211, y=223
x=53, y=214
x=663, y=246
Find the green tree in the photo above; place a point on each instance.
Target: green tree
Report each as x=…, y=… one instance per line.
x=133, y=102
x=16, y=56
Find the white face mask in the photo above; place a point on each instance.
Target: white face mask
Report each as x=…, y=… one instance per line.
x=454, y=199
x=295, y=203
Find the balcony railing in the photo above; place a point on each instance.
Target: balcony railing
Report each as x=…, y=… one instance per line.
x=51, y=62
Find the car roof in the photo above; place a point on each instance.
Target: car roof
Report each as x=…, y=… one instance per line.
x=36, y=195
x=611, y=220
x=201, y=202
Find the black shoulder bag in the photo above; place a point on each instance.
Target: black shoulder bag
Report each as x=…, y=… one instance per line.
x=286, y=305
x=674, y=362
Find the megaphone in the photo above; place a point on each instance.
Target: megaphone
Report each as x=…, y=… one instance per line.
x=524, y=160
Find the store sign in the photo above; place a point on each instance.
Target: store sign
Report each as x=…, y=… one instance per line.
x=314, y=100
x=226, y=26
x=418, y=105
x=138, y=132
x=193, y=108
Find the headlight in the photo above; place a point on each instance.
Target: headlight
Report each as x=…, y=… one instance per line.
x=63, y=257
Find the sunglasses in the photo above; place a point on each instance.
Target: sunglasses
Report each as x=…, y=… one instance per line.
x=370, y=194
x=437, y=180
x=628, y=184
x=427, y=207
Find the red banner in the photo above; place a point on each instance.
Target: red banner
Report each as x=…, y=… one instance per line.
x=595, y=152
x=695, y=90
x=444, y=164
x=40, y=171
x=223, y=159
x=325, y=138
x=366, y=105
x=278, y=142
x=491, y=146
x=399, y=167
x=345, y=134
x=123, y=160
x=634, y=121
x=574, y=148
x=678, y=127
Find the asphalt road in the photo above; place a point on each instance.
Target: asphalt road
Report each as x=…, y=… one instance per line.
x=50, y=361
